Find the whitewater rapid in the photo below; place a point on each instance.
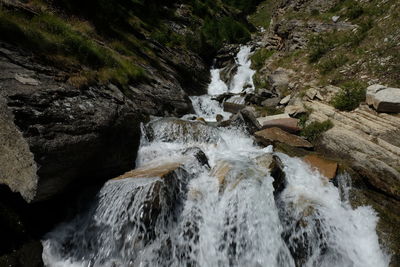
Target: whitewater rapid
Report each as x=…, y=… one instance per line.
x=204, y=223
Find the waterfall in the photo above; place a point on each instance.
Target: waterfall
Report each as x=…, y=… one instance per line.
x=223, y=212
x=242, y=81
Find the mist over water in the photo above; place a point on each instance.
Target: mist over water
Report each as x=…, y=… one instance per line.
x=195, y=220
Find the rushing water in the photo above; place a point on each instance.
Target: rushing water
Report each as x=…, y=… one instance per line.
x=193, y=219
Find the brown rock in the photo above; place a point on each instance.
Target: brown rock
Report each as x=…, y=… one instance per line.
x=233, y=107
x=152, y=171
x=326, y=167
x=290, y=125
x=220, y=171
x=274, y=134
x=219, y=118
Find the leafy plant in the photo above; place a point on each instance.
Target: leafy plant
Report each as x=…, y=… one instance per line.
x=259, y=57
x=350, y=97
x=316, y=129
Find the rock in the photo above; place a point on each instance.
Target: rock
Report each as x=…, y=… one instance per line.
x=272, y=135
x=326, y=167
x=201, y=119
x=279, y=80
x=24, y=79
x=178, y=130
x=329, y=91
x=229, y=72
x=245, y=118
x=295, y=110
x=275, y=166
x=250, y=119
x=384, y=99
x=311, y=93
x=285, y=100
x=223, y=97
x=271, y=102
x=232, y=107
x=335, y=18
x=162, y=171
x=221, y=171
x=197, y=153
x=263, y=120
x=265, y=93
x=290, y=125
x=369, y=142
x=219, y=118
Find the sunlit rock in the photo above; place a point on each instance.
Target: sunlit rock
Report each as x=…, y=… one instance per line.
x=326, y=167
x=272, y=135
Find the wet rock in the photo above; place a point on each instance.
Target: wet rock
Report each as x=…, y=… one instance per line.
x=178, y=130
x=265, y=93
x=275, y=166
x=219, y=118
x=228, y=72
x=198, y=154
x=384, y=99
x=246, y=119
x=290, y=125
x=221, y=171
x=272, y=135
x=326, y=167
x=232, y=107
x=223, y=97
x=162, y=171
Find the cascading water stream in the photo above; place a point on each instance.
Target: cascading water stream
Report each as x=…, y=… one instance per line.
x=223, y=212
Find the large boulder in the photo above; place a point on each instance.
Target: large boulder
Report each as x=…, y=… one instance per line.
x=367, y=140
x=290, y=125
x=383, y=98
x=274, y=135
x=327, y=168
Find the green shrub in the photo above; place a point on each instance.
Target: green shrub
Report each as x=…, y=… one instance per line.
x=314, y=12
x=332, y=63
x=354, y=10
x=315, y=129
x=320, y=45
x=350, y=97
x=259, y=57
x=214, y=33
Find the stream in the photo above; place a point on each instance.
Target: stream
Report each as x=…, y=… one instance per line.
x=196, y=219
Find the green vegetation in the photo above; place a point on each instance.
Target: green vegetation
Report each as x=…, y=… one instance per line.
x=350, y=97
x=59, y=42
x=259, y=57
x=332, y=63
x=316, y=129
x=111, y=44
x=226, y=30
x=262, y=17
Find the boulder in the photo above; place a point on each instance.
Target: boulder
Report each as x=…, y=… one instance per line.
x=290, y=125
x=263, y=120
x=272, y=135
x=275, y=166
x=271, y=102
x=295, y=110
x=221, y=171
x=233, y=107
x=285, y=100
x=369, y=142
x=326, y=167
x=384, y=99
x=161, y=171
x=219, y=118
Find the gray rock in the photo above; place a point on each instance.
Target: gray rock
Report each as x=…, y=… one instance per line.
x=285, y=100
x=384, y=99
x=271, y=102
